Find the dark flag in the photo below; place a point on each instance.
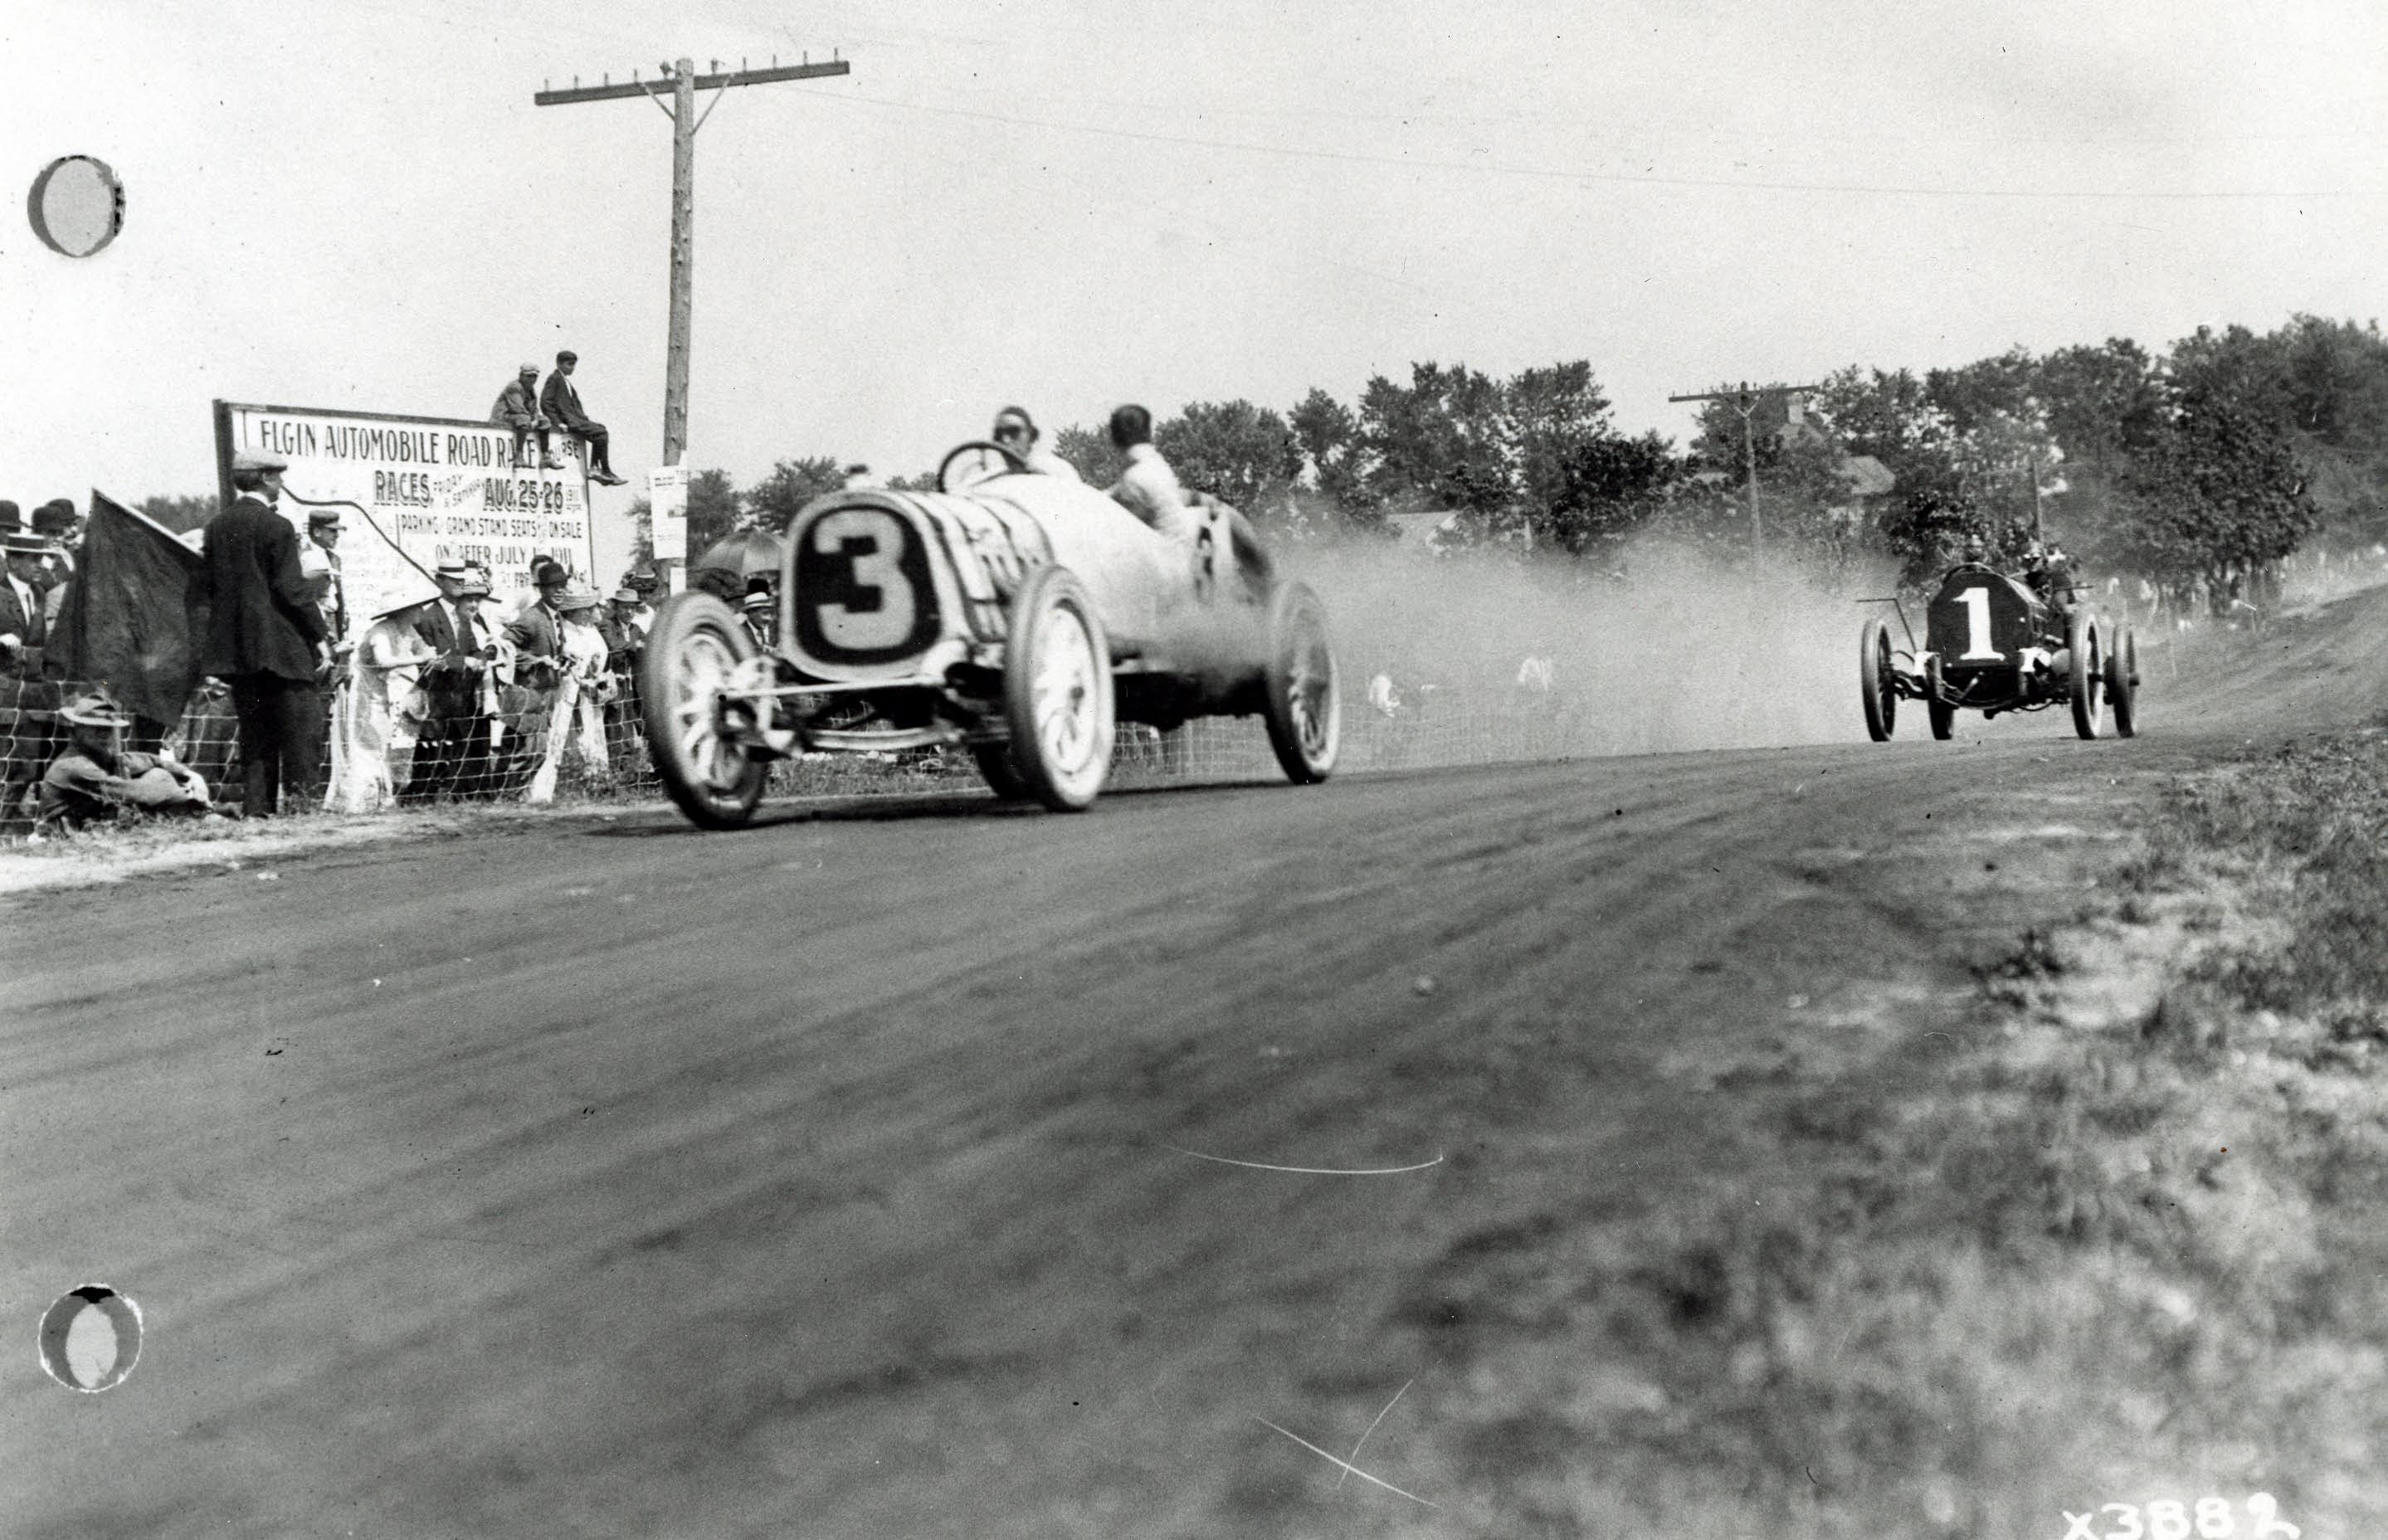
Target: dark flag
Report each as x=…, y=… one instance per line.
x=130, y=613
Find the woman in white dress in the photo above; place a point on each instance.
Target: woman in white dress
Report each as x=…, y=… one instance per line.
x=583, y=687
x=365, y=723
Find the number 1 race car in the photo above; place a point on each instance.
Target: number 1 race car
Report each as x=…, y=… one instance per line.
x=1014, y=614
x=1991, y=645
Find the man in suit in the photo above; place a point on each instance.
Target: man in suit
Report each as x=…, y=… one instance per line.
x=321, y=558
x=21, y=628
x=265, y=636
x=452, y=751
x=518, y=408
x=560, y=400
x=28, y=736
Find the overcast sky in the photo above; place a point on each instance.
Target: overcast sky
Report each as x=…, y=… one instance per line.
x=1069, y=205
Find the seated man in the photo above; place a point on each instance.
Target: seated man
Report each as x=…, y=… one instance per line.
x=95, y=781
x=518, y=408
x=2049, y=570
x=560, y=399
x=1016, y=431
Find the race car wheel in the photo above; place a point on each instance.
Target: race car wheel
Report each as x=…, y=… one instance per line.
x=1303, y=705
x=1056, y=692
x=996, y=768
x=2123, y=681
x=2084, y=646
x=1942, y=716
x=1877, y=681
x=695, y=645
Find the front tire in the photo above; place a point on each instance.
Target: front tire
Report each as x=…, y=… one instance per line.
x=1942, y=716
x=2123, y=681
x=1304, y=706
x=1877, y=681
x=693, y=647
x=2087, y=652
x=1056, y=692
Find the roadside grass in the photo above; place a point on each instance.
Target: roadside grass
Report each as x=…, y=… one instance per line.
x=2130, y=1247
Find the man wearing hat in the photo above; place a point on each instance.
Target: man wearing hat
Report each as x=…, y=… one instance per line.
x=576, y=710
x=518, y=408
x=27, y=734
x=265, y=635
x=759, y=610
x=22, y=627
x=57, y=522
x=560, y=400
x=320, y=557
x=96, y=781
x=452, y=749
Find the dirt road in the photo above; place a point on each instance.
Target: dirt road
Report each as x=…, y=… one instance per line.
x=845, y=1177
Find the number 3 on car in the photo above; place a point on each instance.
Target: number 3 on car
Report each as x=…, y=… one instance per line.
x=873, y=609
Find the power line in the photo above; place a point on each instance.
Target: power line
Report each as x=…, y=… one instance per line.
x=1632, y=179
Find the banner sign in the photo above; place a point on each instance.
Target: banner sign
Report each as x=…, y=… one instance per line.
x=415, y=491
x=667, y=497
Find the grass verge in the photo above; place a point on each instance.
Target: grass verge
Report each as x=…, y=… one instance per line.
x=2129, y=1248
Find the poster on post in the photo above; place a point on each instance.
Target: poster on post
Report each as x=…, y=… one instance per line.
x=415, y=491
x=668, y=498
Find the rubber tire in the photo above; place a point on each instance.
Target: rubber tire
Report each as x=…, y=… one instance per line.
x=2084, y=646
x=1298, y=643
x=1001, y=775
x=2123, y=681
x=1053, y=610
x=1877, y=681
x=1942, y=717
x=686, y=626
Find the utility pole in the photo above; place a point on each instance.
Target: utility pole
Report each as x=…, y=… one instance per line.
x=1745, y=400
x=681, y=81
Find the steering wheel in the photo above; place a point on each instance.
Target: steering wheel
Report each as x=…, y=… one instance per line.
x=978, y=459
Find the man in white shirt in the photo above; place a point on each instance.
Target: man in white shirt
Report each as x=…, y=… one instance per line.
x=1148, y=487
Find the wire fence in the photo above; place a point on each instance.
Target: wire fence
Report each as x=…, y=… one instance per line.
x=562, y=743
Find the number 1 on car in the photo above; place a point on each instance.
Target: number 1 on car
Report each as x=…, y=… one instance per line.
x=1978, y=624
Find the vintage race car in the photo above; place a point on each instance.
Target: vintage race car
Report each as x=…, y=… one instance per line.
x=1992, y=644
x=1016, y=614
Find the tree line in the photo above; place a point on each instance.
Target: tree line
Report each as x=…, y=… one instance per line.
x=2204, y=463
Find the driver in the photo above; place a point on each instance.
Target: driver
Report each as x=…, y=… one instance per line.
x=2049, y=570
x=1977, y=551
x=1016, y=431
x=1148, y=487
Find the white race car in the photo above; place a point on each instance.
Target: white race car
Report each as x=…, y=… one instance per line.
x=1019, y=615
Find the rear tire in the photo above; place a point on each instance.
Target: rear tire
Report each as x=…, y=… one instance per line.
x=2123, y=681
x=1303, y=705
x=1002, y=777
x=693, y=645
x=1877, y=681
x=1056, y=692
x=2084, y=647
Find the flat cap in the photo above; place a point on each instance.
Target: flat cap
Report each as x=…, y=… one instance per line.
x=324, y=515
x=258, y=460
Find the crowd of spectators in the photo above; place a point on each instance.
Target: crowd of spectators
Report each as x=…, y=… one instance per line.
x=444, y=696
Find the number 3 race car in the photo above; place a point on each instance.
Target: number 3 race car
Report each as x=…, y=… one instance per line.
x=1994, y=645
x=1014, y=614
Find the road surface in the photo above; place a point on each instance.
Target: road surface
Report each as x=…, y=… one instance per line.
x=865, y=1174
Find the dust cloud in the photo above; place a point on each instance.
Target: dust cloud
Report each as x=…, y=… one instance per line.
x=1682, y=651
